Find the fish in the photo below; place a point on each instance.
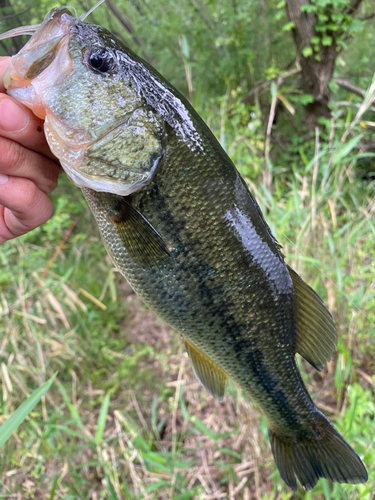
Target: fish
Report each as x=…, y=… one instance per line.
x=182, y=227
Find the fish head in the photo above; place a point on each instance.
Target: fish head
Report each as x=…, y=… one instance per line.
x=82, y=82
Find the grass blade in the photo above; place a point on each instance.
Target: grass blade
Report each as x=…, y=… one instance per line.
x=111, y=489
x=54, y=486
x=17, y=417
x=186, y=495
x=73, y=410
x=101, y=420
x=200, y=425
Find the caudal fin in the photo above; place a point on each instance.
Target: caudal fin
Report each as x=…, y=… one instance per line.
x=326, y=455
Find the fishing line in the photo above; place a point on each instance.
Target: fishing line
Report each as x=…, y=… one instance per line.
x=30, y=30
x=83, y=16
x=21, y=30
x=73, y=8
x=328, y=278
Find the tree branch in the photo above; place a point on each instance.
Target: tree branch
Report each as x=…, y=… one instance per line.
x=120, y=16
x=366, y=18
x=352, y=104
x=264, y=85
x=344, y=84
x=354, y=6
x=12, y=16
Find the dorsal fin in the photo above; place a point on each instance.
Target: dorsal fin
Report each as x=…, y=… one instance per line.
x=316, y=331
x=210, y=375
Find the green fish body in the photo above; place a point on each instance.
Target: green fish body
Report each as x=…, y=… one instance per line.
x=180, y=224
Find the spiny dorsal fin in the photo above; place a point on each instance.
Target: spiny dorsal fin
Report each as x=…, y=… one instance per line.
x=316, y=331
x=209, y=374
x=142, y=242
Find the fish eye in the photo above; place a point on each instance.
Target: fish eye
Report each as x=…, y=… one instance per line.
x=101, y=60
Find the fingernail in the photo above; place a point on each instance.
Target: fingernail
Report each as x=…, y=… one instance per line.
x=12, y=117
x=6, y=77
x=3, y=179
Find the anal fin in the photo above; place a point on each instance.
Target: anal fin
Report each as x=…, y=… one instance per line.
x=210, y=375
x=316, y=331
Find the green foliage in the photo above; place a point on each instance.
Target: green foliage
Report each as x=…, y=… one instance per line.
x=333, y=24
x=307, y=51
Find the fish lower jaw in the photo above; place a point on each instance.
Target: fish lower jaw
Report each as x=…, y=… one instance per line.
x=25, y=94
x=103, y=185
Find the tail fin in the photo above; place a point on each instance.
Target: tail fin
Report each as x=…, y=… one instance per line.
x=327, y=455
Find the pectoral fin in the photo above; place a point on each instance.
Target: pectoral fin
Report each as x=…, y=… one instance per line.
x=316, y=331
x=142, y=242
x=209, y=374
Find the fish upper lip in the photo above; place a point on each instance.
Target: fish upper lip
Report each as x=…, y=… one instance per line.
x=44, y=42
x=39, y=53
x=23, y=62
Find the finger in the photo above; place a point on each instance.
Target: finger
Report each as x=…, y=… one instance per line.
x=4, y=63
x=21, y=125
x=17, y=161
x=23, y=207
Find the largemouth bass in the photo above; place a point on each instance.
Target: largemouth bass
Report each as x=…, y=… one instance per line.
x=182, y=227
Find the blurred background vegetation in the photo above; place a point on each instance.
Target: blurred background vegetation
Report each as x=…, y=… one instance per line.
x=292, y=101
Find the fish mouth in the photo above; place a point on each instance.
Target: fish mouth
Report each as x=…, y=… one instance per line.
x=42, y=50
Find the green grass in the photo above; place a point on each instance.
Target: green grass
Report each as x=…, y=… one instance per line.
x=125, y=418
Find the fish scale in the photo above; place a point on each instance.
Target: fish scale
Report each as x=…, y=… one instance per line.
x=182, y=227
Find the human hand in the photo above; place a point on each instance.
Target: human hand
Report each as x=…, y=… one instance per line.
x=28, y=169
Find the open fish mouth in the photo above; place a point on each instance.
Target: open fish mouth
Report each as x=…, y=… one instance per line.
x=46, y=47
